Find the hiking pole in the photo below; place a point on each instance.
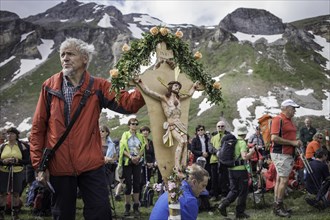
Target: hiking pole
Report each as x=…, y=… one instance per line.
x=260, y=175
x=308, y=167
x=251, y=174
x=10, y=188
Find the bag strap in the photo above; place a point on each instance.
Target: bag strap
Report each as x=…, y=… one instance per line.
x=82, y=103
x=48, y=153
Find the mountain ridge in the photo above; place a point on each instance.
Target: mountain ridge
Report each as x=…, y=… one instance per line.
x=295, y=56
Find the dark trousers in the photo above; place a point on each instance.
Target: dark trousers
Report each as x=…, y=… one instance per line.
x=132, y=175
x=215, y=187
x=94, y=192
x=238, y=189
x=223, y=180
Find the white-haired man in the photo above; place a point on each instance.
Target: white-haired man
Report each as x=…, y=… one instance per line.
x=283, y=136
x=79, y=161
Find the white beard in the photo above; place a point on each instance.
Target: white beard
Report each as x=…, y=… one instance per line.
x=68, y=72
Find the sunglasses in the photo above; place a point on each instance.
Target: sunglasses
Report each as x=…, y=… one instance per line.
x=321, y=138
x=200, y=129
x=134, y=124
x=221, y=126
x=102, y=131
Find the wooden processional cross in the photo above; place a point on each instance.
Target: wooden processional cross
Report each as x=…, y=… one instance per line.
x=157, y=81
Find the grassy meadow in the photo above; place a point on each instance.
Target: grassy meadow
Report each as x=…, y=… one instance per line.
x=295, y=200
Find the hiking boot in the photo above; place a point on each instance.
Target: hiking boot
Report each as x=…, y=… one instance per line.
x=15, y=214
x=222, y=209
x=214, y=198
x=117, y=198
x=242, y=216
x=314, y=203
x=127, y=209
x=279, y=210
x=258, y=191
x=2, y=215
x=136, y=208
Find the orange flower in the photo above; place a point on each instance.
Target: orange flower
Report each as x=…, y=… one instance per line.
x=179, y=34
x=154, y=31
x=198, y=55
x=163, y=31
x=125, y=48
x=114, y=73
x=217, y=85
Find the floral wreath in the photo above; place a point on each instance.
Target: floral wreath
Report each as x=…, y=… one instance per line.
x=138, y=53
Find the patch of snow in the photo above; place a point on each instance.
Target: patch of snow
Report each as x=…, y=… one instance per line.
x=89, y=20
x=203, y=106
x=24, y=36
x=7, y=61
x=326, y=49
x=148, y=20
x=64, y=20
x=105, y=21
x=136, y=31
x=26, y=65
x=304, y=92
x=253, y=38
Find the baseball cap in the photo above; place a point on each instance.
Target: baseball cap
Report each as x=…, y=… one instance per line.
x=289, y=102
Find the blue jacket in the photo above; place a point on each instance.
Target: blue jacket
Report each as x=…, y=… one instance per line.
x=188, y=205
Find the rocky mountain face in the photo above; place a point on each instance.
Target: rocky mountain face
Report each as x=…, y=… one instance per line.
x=108, y=29
x=253, y=21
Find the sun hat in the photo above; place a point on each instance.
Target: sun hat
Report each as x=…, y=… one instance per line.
x=242, y=130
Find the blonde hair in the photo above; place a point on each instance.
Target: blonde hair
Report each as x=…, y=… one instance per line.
x=317, y=135
x=197, y=172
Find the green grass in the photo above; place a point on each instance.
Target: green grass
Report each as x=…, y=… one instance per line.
x=295, y=200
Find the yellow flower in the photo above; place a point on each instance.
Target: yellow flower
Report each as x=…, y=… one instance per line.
x=198, y=55
x=125, y=48
x=114, y=73
x=217, y=85
x=163, y=31
x=179, y=34
x=154, y=31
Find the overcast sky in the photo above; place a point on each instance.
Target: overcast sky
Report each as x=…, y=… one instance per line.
x=192, y=12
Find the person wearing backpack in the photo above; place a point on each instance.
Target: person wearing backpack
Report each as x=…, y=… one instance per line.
x=14, y=154
x=219, y=174
x=284, y=142
x=238, y=176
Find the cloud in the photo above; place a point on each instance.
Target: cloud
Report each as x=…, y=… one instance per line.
x=192, y=12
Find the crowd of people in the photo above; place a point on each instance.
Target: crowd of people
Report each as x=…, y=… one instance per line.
x=88, y=163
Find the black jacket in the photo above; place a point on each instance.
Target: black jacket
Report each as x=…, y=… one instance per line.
x=196, y=147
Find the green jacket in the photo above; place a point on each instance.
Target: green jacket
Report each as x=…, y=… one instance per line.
x=124, y=146
x=216, y=142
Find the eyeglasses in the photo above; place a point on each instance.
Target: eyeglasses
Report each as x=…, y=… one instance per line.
x=200, y=129
x=134, y=124
x=221, y=126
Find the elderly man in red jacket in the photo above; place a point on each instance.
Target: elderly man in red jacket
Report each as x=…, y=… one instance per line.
x=79, y=161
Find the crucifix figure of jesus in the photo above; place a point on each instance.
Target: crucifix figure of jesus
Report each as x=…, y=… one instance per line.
x=175, y=128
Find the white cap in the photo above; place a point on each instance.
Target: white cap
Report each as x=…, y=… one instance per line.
x=242, y=130
x=289, y=102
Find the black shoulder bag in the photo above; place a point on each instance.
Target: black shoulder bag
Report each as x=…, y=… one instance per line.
x=49, y=153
